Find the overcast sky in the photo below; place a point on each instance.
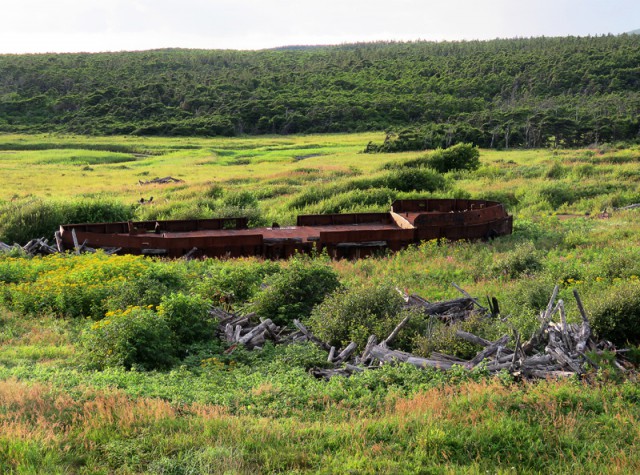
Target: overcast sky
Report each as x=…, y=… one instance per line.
x=28, y=26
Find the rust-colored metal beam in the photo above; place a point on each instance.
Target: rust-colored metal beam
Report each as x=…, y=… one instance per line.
x=350, y=235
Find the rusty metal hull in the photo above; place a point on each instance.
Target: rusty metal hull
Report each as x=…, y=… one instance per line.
x=341, y=235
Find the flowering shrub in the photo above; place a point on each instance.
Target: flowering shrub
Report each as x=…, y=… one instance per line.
x=75, y=286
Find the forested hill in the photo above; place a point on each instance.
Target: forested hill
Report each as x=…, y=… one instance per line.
x=519, y=92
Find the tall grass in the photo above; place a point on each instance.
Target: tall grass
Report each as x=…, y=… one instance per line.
x=23, y=220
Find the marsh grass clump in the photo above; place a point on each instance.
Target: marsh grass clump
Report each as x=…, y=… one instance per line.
x=23, y=220
x=463, y=156
x=415, y=179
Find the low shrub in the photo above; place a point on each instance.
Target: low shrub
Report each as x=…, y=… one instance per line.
x=355, y=200
x=146, y=288
x=132, y=338
x=556, y=171
x=615, y=316
x=355, y=314
x=415, y=179
x=294, y=291
x=25, y=220
x=463, y=156
x=442, y=338
x=214, y=191
x=187, y=316
x=240, y=199
x=523, y=260
x=231, y=283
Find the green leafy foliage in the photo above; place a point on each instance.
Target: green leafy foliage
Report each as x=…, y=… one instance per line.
x=354, y=314
x=524, y=259
x=616, y=316
x=415, y=179
x=187, y=316
x=294, y=291
x=134, y=338
x=147, y=288
x=462, y=156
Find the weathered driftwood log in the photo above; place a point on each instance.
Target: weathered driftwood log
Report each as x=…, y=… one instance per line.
x=488, y=351
x=371, y=342
x=190, y=255
x=585, y=329
x=161, y=181
x=624, y=208
x=536, y=338
x=310, y=336
x=346, y=353
x=430, y=363
x=470, y=337
x=466, y=294
x=387, y=355
x=392, y=336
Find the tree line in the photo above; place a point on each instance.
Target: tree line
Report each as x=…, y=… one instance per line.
x=502, y=93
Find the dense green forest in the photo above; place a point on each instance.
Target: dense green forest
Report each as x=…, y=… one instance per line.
x=501, y=94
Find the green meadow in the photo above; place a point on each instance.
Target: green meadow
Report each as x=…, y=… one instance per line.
x=109, y=364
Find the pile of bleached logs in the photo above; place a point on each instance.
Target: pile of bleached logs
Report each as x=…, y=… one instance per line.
x=161, y=181
x=244, y=330
x=34, y=247
x=556, y=349
x=41, y=247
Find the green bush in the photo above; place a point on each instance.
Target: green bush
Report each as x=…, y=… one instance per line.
x=355, y=314
x=355, y=200
x=95, y=211
x=463, y=156
x=187, y=316
x=133, y=338
x=147, y=288
x=233, y=283
x=293, y=292
x=523, y=260
x=215, y=191
x=615, y=316
x=415, y=179
x=556, y=171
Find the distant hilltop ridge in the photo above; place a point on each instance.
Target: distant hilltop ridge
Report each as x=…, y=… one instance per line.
x=634, y=32
x=505, y=93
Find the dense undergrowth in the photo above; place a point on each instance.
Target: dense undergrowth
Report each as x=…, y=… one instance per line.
x=109, y=364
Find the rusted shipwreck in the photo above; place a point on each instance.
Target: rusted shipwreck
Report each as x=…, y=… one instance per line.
x=350, y=236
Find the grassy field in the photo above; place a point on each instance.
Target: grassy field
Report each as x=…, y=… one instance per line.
x=63, y=410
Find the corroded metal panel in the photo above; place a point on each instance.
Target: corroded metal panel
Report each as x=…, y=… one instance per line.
x=351, y=235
